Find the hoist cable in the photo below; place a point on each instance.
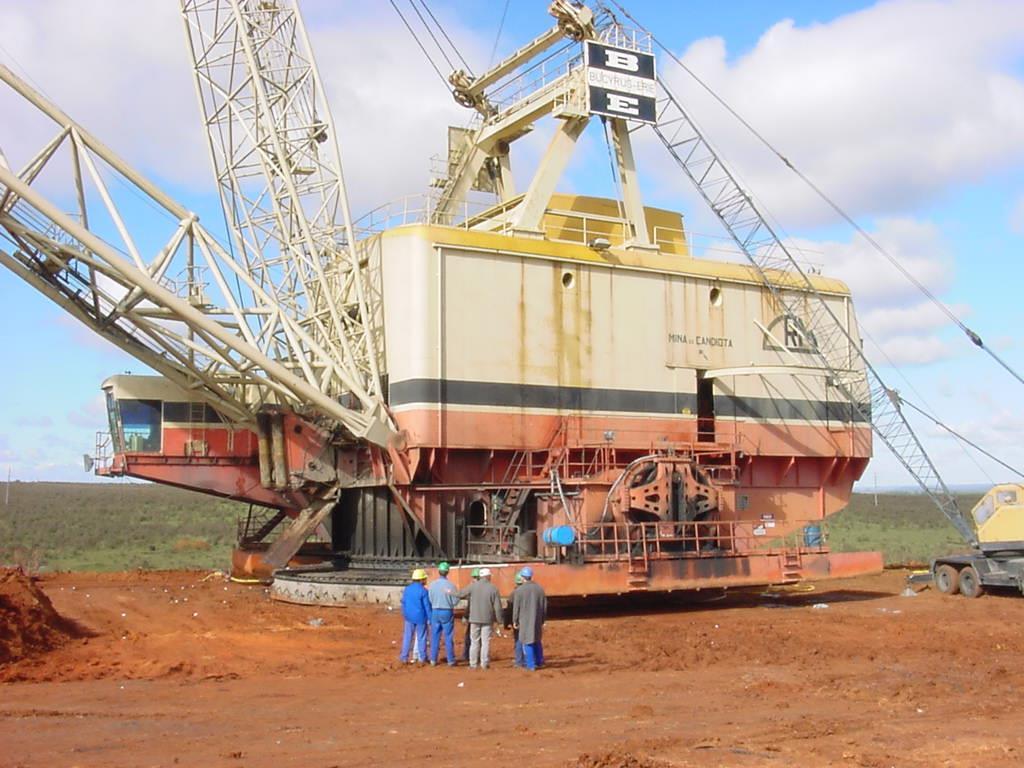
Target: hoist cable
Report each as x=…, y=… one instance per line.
x=446, y=37
x=440, y=48
x=412, y=32
x=971, y=334
x=958, y=436
x=497, y=37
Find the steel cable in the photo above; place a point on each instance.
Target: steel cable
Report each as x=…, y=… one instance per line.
x=960, y=437
x=446, y=37
x=415, y=37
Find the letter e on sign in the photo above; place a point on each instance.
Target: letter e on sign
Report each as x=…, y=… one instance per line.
x=621, y=60
x=623, y=105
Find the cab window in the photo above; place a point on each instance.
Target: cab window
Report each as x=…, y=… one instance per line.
x=140, y=425
x=112, y=421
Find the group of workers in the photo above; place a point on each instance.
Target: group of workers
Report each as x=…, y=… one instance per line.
x=434, y=607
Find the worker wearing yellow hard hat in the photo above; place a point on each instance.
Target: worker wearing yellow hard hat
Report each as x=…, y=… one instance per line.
x=416, y=614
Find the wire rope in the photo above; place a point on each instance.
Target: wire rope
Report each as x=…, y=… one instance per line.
x=416, y=38
x=454, y=47
x=497, y=37
x=958, y=436
x=426, y=26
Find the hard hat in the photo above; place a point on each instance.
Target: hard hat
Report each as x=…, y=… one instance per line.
x=527, y=572
x=475, y=573
x=485, y=572
x=419, y=575
x=443, y=567
x=519, y=578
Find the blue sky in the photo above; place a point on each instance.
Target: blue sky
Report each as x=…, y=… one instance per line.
x=910, y=113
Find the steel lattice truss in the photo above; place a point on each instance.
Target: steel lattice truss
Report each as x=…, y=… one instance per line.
x=186, y=307
x=835, y=346
x=278, y=171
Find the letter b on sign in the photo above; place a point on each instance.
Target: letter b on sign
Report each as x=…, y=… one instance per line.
x=621, y=60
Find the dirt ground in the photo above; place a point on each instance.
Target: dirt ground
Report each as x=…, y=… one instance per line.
x=162, y=669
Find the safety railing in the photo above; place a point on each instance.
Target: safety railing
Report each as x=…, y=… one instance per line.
x=103, y=454
x=558, y=224
x=701, y=538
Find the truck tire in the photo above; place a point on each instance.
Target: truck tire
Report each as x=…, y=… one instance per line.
x=947, y=579
x=970, y=582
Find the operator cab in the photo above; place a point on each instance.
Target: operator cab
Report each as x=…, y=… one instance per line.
x=999, y=518
x=141, y=409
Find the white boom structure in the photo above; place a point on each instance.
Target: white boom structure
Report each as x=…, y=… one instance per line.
x=231, y=343
x=278, y=170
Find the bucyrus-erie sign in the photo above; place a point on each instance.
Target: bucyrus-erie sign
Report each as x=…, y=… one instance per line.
x=620, y=82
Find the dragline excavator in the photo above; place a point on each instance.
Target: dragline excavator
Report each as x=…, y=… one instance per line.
x=471, y=376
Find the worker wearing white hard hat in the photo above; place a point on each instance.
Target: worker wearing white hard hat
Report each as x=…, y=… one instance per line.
x=484, y=611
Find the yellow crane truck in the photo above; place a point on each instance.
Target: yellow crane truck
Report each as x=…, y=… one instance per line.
x=998, y=556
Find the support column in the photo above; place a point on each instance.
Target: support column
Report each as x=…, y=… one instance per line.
x=529, y=214
x=631, y=199
x=300, y=529
x=506, y=184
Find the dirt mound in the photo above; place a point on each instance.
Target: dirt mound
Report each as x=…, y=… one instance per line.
x=29, y=624
x=615, y=759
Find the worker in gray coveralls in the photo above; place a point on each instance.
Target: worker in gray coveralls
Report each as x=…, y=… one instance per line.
x=465, y=619
x=484, y=610
x=529, y=611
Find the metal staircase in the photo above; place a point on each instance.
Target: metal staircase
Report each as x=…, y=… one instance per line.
x=638, y=566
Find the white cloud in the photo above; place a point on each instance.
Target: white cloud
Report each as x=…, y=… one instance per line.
x=127, y=77
x=905, y=350
x=390, y=108
x=900, y=325
x=917, y=245
x=124, y=75
x=884, y=108
x=926, y=316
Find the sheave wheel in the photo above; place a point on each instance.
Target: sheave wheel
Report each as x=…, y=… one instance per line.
x=970, y=584
x=947, y=579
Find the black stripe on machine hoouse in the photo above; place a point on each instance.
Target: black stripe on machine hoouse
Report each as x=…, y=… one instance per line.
x=496, y=394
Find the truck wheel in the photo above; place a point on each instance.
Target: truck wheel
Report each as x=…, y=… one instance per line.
x=970, y=583
x=947, y=579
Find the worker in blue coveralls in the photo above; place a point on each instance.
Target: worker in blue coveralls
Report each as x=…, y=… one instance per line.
x=443, y=599
x=529, y=611
x=509, y=607
x=416, y=612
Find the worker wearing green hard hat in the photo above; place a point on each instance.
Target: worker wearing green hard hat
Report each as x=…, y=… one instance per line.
x=443, y=600
x=475, y=573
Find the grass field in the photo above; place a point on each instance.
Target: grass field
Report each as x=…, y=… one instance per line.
x=907, y=527
x=115, y=526
x=123, y=526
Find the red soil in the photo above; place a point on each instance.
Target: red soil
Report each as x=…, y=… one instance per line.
x=180, y=671
x=28, y=622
